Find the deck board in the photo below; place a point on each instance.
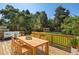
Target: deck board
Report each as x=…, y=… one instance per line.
x=5, y=49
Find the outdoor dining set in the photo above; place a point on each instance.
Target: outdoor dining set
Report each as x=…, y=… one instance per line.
x=22, y=46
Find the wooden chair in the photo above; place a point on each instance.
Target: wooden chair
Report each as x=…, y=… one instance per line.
x=22, y=49
x=19, y=49
x=43, y=37
x=13, y=47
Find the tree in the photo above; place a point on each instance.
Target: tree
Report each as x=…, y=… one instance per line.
x=18, y=20
x=43, y=19
x=51, y=24
x=27, y=11
x=23, y=20
x=71, y=25
x=2, y=21
x=10, y=13
x=36, y=21
x=60, y=14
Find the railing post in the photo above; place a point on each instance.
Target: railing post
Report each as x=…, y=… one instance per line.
x=51, y=39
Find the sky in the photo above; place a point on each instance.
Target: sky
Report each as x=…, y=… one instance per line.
x=49, y=8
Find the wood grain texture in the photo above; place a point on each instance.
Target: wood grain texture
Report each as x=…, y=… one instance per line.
x=5, y=47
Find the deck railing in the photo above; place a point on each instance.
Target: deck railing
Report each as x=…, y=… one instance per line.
x=57, y=40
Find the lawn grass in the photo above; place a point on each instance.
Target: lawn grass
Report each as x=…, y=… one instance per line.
x=54, y=32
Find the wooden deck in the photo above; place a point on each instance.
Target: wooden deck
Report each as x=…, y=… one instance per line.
x=5, y=49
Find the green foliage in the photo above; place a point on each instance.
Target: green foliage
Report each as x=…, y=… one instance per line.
x=36, y=21
x=1, y=21
x=60, y=14
x=40, y=20
x=74, y=42
x=51, y=24
x=26, y=21
x=71, y=25
x=43, y=19
x=23, y=20
x=17, y=20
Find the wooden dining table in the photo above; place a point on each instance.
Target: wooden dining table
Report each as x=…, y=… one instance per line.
x=34, y=43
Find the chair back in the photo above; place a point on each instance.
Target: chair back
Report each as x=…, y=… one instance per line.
x=15, y=47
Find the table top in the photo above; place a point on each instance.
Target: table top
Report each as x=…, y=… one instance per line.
x=34, y=42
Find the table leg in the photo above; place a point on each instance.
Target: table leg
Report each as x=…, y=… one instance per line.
x=46, y=49
x=34, y=51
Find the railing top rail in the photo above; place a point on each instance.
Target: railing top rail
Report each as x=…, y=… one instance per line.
x=62, y=35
